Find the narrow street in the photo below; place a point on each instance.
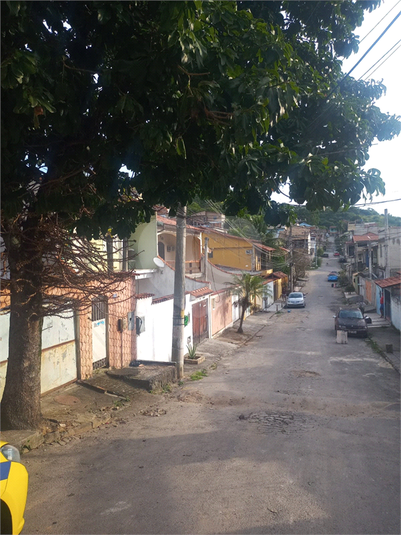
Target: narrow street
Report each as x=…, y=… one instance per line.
x=292, y=433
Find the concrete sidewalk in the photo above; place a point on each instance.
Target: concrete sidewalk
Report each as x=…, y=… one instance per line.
x=385, y=339
x=103, y=399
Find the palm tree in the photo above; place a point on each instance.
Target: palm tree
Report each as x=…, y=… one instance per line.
x=247, y=287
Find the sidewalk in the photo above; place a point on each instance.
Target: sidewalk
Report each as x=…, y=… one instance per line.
x=103, y=399
x=385, y=339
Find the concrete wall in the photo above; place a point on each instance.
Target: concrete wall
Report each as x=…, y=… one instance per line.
x=155, y=342
x=146, y=244
x=229, y=250
x=59, y=355
x=220, y=311
x=396, y=312
x=161, y=283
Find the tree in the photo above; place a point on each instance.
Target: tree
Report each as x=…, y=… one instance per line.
x=193, y=98
x=247, y=287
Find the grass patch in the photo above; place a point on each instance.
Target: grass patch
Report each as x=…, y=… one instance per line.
x=197, y=376
x=374, y=345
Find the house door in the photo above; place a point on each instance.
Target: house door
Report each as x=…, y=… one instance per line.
x=387, y=305
x=99, y=332
x=199, y=322
x=161, y=250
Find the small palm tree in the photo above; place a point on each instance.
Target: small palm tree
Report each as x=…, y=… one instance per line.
x=247, y=287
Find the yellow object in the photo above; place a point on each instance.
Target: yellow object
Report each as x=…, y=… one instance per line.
x=14, y=490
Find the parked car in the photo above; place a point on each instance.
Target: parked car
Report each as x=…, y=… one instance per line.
x=296, y=300
x=325, y=255
x=351, y=320
x=333, y=277
x=342, y=259
x=336, y=253
x=14, y=489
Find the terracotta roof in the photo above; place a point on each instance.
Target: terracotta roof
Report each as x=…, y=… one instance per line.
x=280, y=274
x=161, y=299
x=173, y=222
x=369, y=236
x=264, y=247
x=143, y=296
x=200, y=292
x=390, y=281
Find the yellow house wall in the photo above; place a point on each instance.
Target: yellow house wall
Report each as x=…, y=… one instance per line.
x=229, y=251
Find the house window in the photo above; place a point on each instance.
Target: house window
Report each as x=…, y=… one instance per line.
x=248, y=251
x=170, y=248
x=213, y=304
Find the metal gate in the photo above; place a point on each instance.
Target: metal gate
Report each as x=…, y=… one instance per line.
x=199, y=322
x=99, y=332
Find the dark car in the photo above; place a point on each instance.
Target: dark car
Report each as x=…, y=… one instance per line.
x=325, y=255
x=351, y=320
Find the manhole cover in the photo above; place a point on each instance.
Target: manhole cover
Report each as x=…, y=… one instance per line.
x=66, y=400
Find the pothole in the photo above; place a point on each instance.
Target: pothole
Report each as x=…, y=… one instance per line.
x=305, y=373
x=285, y=422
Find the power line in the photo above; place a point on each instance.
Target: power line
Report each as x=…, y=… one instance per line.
x=377, y=202
x=324, y=112
x=372, y=46
x=383, y=62
x=376, y=25
x=385, y=54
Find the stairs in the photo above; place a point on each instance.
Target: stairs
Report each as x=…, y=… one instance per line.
x=377, y=321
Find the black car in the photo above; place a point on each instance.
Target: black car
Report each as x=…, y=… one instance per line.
x=325, y=255
x=351, y=320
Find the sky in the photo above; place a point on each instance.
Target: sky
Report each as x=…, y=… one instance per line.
x=384, y=155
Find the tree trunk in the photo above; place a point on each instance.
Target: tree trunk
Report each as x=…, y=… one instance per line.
x=244, y=306
x=20, y=406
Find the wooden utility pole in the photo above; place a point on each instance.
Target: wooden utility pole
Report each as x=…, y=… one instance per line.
x=178, y=347
x=291, y=262
x=386, y=240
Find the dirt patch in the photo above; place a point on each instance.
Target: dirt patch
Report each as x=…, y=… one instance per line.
x=153, y=412
x=191, y=397
x=304, y=373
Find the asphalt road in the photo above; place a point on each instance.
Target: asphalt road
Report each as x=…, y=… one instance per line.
x=292, y=433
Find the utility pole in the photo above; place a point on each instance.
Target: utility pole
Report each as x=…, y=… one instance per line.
x=386, y=240
x=291, y=262
x=178, y=347
x=206, y=257
x=370, y=260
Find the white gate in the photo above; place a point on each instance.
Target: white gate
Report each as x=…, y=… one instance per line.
x=236, y=308
x=99, y=331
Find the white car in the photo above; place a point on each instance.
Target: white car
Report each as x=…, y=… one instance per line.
x=296, y=300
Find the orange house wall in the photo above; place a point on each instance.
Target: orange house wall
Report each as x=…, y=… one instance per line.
x=222, y=312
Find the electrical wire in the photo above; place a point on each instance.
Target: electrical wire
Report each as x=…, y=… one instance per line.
x=383, y=62
x=376, y=25
x=330, y=106
x=384, y=55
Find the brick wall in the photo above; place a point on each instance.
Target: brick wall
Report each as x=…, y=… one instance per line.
x=122, y=345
